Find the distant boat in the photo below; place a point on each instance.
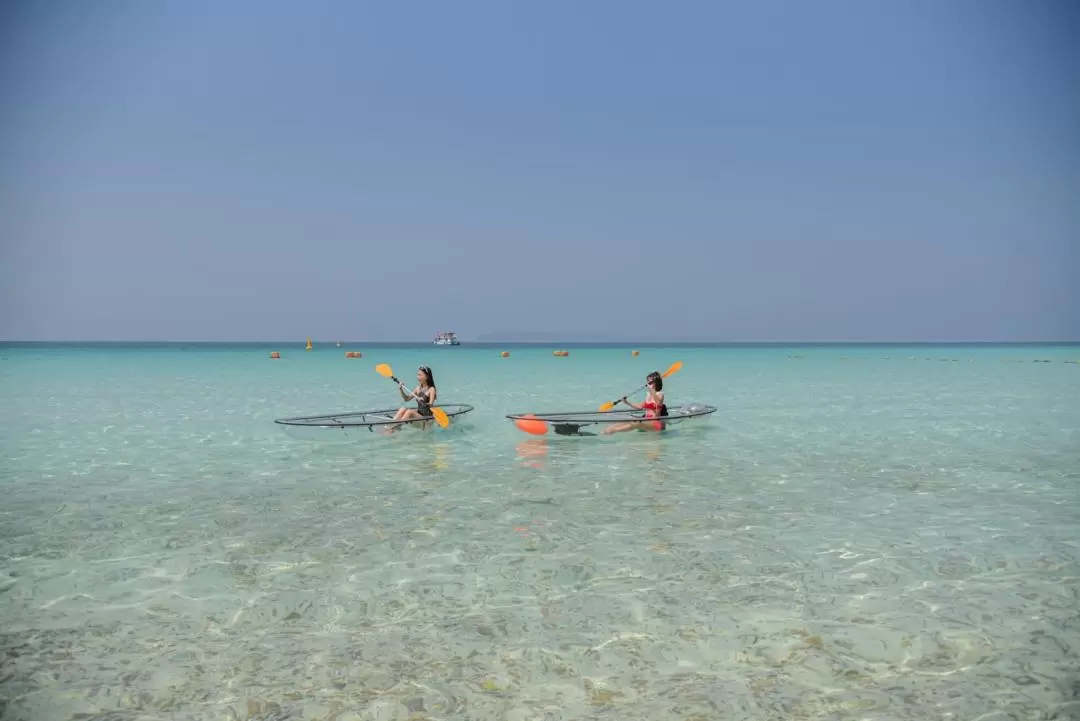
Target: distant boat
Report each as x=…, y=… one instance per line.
x=446, y=338
x=308, y=344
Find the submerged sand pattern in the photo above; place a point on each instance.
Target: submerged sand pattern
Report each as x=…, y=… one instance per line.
x=808, y=557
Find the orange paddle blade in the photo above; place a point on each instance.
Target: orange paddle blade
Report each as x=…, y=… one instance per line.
x=384, y=370
x=606, y=407
x=440, y=417
x=675, y=368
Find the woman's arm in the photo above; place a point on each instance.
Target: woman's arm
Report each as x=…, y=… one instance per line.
x=633, y=405
x=432, y=394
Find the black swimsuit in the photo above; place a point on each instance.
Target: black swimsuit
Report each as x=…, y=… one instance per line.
x=422, y=406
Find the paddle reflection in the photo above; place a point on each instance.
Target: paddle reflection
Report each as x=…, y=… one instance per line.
x=652, y=455
x=442, y=456
x=435, y=459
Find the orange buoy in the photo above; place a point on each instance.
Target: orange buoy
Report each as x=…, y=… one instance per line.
x=530, y=424
x=505, y=354
x=275, y=354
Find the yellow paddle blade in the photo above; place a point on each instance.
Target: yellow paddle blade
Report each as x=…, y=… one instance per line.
x=440, y=417
x=606, y=407
x=384, y=370
x=675, y=368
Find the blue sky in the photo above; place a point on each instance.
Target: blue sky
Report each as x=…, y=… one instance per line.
x=837, y=170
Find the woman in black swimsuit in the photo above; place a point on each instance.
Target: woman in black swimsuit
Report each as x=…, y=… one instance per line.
x=424, y=394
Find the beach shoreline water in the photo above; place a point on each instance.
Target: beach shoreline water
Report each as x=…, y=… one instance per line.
x=858, y=530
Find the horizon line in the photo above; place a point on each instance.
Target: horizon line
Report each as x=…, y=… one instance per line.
x=699, y=341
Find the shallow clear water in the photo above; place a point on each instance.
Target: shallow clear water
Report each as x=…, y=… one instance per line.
x=856, y=533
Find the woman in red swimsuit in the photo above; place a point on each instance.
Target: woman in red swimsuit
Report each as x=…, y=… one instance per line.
x=653, y=406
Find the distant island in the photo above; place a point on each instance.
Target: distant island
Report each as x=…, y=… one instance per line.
x=542, y=337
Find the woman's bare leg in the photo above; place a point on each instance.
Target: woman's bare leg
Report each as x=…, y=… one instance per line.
x=622, y=427
x=405, y=414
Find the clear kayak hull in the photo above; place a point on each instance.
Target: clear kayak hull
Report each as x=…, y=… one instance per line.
x=360, y=424
x=590, y=423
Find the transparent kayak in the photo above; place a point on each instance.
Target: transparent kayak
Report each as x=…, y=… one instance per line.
x=343, y=426
x=589, y=423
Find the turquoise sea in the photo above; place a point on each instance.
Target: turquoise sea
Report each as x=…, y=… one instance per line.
x=859, y=532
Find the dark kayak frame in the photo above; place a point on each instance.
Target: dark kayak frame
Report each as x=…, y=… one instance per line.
x=372, y=420
x=571, y=422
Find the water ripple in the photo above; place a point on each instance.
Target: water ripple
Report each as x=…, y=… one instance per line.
x=845, y=542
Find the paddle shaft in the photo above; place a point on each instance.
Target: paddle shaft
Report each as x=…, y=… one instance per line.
x=623, y=399
x=412, y=394
x=440, y=415
x=674, y=369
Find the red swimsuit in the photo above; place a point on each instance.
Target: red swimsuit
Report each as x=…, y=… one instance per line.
x=651, y=412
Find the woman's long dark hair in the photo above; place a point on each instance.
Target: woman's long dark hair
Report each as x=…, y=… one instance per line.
x=658, y=383
x=429, y=374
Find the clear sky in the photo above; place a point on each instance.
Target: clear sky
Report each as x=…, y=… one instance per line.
x=831, y=170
